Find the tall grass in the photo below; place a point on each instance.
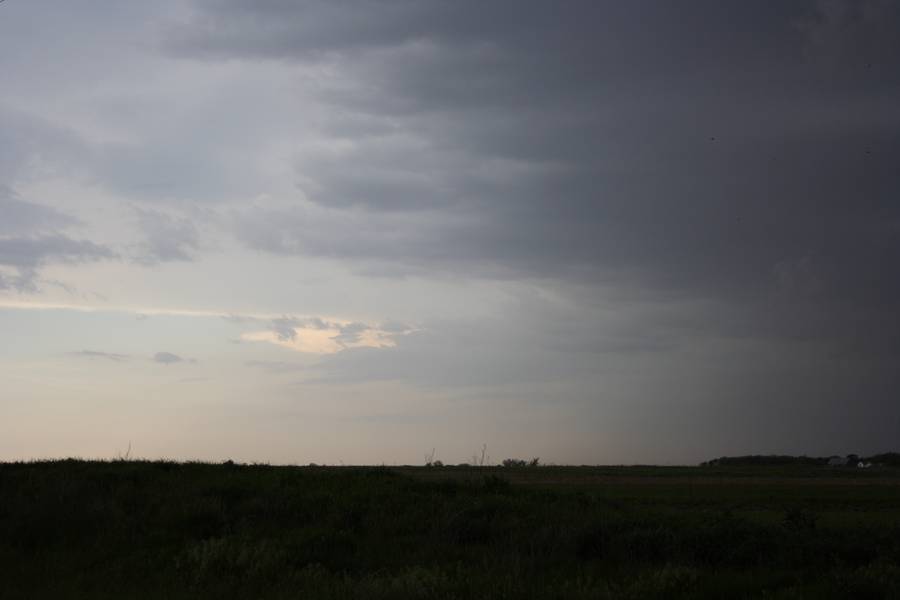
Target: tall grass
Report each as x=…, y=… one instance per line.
x=76, y=529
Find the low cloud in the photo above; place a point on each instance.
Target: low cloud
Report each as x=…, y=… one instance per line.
x=168, y=238
x=167, y=358
x=351, y=333
x=285, y=328
x=22, y=257
x=20, y=217
x=593, y=145
x=30, y=238
x=104, y=355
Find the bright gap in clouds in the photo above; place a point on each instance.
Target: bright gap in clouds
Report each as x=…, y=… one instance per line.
x=324, y=341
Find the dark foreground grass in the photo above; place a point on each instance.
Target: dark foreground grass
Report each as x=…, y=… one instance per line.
x=75, y=529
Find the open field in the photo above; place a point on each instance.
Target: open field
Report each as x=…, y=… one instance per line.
x=587, y=477
x=75, y=529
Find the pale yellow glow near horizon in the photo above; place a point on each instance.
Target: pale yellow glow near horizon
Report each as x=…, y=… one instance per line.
x=310, y=340
x=136, y=310
x=6, y=303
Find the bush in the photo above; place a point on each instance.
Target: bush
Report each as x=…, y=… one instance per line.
x=518, y=462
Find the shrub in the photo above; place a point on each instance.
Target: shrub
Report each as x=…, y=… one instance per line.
x=518, y=462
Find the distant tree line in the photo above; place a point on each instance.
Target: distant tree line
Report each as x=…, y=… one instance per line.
x=891, y=459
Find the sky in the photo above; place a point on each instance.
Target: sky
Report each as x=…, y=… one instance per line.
x=356, y=232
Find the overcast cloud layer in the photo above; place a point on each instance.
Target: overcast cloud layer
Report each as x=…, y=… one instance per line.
x=597, y=231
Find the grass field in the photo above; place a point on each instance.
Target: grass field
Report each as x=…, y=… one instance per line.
x=76, y=529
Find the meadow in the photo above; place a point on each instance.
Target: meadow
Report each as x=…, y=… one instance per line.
x=140, y=529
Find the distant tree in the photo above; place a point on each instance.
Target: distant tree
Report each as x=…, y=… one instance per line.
x=518, y=462
x=764, y=460
x=888, y=459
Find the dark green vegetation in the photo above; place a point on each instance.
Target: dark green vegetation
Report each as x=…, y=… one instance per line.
x=74, y=529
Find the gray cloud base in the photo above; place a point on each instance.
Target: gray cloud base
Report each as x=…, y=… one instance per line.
x=734, y=152
x=30, y=238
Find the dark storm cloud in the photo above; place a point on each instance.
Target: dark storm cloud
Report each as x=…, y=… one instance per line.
x=536, y=342
x=740, y=152
x=452, y=355
x=468, y=353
